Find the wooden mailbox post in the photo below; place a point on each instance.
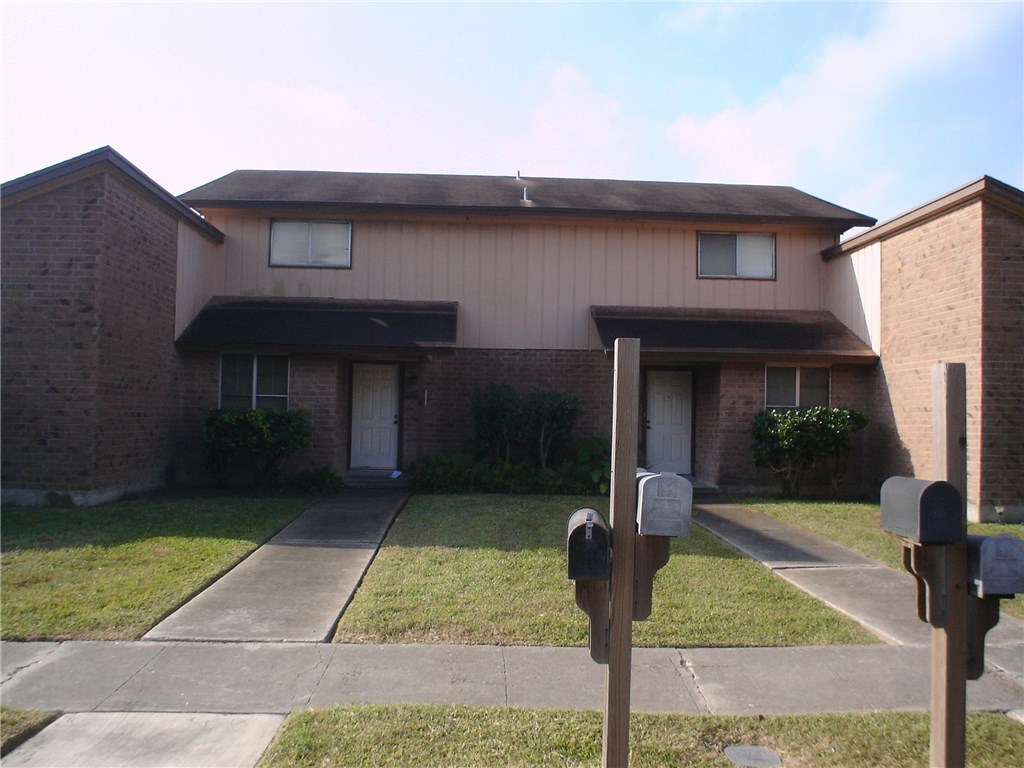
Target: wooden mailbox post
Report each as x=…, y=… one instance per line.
x=625, y=420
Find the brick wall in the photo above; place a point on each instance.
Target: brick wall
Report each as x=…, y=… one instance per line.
x=451, y=381
x=88, y=366
x=931, y=312
x=707, y=443
x=1001, y=464
x=50, y=252
x=136, y=406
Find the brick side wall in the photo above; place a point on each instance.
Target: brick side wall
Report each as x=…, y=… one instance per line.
x=136, y=392
x=931, y=271
x=89, y=373
x=51, y=246
x=1001, y=465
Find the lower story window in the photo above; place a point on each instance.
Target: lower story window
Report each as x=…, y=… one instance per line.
x=253, y=381
x=796, y=387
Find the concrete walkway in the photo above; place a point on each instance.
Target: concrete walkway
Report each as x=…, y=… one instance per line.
x=295, y=586
x=174, y=701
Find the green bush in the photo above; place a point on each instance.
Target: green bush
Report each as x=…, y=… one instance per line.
x=549, y=418
x=497, y=421
x=254, y=439
x=508, y=428
x=790, y=442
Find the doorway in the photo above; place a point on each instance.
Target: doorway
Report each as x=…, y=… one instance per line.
x=669, y=421
x=375, y=416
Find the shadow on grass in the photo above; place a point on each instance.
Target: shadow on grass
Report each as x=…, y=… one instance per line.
x=509, y=524
x=222, y=515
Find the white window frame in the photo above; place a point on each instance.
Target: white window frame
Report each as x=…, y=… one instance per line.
x=310, y=263
x=701, y=274
x=255, y=394
x=799, y=369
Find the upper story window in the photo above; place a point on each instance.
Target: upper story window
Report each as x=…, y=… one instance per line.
x=311, y=244
x=796, y=387
x=253, y=381
x=747, y=256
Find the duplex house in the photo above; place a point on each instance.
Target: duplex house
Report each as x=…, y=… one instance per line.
x=380, y=303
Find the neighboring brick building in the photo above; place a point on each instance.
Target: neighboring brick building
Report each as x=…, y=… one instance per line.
x=380, y=303
x=90, y=401
x=945, y=283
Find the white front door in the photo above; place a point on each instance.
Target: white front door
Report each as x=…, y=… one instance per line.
x=669, y=421
x=374, y=416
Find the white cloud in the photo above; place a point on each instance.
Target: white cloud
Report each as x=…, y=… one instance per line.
x=813, y=120
x=574, y=130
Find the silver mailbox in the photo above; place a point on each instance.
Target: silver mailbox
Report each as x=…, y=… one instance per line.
x=995, y=565
x=664, y=504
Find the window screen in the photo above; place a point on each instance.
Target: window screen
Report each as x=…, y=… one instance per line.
x=310, y=244
x=253, y=381
x=793, y=387
x=750, y=256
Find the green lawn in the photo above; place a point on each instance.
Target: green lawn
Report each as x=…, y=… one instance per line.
x=423, y=736
x=857, y=526
x=491, y=570
x=112, y=572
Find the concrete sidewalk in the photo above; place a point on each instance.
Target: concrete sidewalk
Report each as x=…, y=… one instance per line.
x=294, y=587
x=213, y=694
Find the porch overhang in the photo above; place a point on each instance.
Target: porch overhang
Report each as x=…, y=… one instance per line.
x=710, y=335
x=322, y=325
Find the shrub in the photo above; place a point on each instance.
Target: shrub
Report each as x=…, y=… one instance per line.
x=256, y=439
x=792, y=441
x=549, y=418
x=497, y=421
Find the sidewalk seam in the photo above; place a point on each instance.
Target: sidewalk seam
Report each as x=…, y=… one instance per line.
x=149, y=663
x=703, y=703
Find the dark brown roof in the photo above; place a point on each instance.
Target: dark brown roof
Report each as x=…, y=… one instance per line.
x=91, y=162
x=359, y=191
x=227, y=323
x=722, y=334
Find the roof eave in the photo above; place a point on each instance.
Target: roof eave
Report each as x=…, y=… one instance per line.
x=536, y=208
x=984, y=188
x=40, y=181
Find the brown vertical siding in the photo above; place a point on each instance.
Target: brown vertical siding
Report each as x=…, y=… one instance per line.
x=521, y=285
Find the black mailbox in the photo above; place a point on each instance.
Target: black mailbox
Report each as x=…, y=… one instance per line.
x=588, y=548
x=923, y=511
x=995, y=565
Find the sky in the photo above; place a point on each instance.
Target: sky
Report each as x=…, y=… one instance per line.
x=877, y=107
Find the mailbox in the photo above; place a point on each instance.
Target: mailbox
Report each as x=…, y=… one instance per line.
x=995, y=565
x=664, y=504
x=588, y=549
x=922, y=511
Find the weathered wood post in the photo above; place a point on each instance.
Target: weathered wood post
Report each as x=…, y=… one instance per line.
x=949, y=643
x=625, y=418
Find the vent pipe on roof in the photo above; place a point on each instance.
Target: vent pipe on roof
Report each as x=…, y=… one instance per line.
x=526, y=199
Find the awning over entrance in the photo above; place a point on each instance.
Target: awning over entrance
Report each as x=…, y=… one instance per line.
x=726, y=334
x=321, y=324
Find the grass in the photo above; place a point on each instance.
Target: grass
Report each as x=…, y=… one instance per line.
x=20, y=725
x=856, y=526
x=433, y=735
x=112, y=572
x=491, y=570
